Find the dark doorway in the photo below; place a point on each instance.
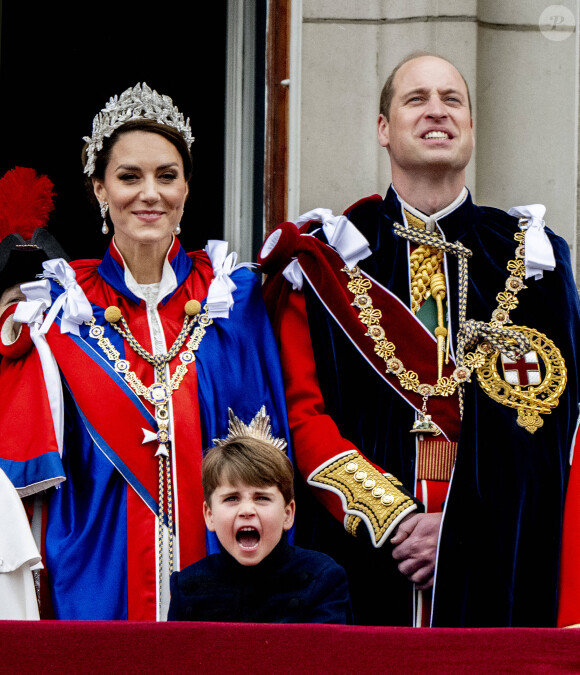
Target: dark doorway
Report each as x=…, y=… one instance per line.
x=61, y=62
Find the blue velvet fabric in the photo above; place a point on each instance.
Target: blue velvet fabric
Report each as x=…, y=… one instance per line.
x=499, y=549
x=291, y=585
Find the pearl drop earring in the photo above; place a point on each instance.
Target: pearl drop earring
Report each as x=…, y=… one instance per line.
x=104, y=208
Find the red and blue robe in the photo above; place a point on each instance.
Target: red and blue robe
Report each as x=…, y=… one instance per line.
x=100, y=533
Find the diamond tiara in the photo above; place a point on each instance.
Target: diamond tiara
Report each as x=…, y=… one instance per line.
x=139, y=102
x=259, y=428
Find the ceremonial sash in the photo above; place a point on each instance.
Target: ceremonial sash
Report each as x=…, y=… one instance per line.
x=415, y=346
x=103, y=406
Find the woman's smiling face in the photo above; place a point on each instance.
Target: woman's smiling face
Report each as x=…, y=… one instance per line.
x=145, y=187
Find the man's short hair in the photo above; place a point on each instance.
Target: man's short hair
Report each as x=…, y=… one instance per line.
x=388, y=90
x=250, y=461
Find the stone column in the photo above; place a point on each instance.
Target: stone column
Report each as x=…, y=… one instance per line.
x=527, y=109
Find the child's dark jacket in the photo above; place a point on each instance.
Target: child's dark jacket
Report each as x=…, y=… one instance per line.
x=291, y=585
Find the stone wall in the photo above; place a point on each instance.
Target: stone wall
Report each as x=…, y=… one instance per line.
x=520, y=59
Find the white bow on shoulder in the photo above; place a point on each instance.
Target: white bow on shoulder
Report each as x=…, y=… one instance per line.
x=539, y=255
x=219, y=297
x=342, y=235
x=76, y=309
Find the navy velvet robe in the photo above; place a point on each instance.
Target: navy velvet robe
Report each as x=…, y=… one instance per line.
x=291, y=585
x=499, y=546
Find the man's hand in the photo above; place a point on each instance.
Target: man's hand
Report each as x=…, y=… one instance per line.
x=415, y=547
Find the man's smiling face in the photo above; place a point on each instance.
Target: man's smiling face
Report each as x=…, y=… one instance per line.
x=429, y=124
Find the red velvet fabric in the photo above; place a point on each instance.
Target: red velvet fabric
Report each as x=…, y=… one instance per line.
x=569, y=600
x=137, y=647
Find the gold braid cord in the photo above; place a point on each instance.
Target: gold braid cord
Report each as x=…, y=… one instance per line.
x=378, y=499
x=434, y=241
x=424, y=262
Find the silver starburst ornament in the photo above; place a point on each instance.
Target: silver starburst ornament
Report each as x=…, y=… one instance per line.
x=259, y=428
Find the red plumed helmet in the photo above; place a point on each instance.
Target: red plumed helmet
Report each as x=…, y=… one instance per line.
x=26, y=201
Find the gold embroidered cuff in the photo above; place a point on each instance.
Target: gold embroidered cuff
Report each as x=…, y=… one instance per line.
x=378, y=500
x=352, y=523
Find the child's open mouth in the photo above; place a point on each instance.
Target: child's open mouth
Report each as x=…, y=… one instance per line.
x=248, y=538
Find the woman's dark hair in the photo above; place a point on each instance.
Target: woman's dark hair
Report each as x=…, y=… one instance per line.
x=150, y=126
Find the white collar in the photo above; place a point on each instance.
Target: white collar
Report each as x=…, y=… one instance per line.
x=167, y=284
x=431, y=221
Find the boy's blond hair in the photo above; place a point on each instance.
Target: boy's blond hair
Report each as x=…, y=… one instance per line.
x=247, y=460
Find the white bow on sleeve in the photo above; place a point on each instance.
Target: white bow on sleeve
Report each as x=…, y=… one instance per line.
x=539, y=254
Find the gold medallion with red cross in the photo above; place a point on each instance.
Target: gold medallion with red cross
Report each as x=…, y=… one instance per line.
x=532, y=385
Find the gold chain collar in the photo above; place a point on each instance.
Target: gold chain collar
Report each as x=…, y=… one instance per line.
x=370, y=316
x=157, y=394
x=495, y=335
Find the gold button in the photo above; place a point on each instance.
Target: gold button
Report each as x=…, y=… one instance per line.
x=378, y=492
x=387, y=500
x=112, y=314
x=351, y=467
x=369, y=484
x=359, y=476
x=192, y=307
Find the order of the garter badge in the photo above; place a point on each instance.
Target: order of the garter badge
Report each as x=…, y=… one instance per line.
x=532, y=384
